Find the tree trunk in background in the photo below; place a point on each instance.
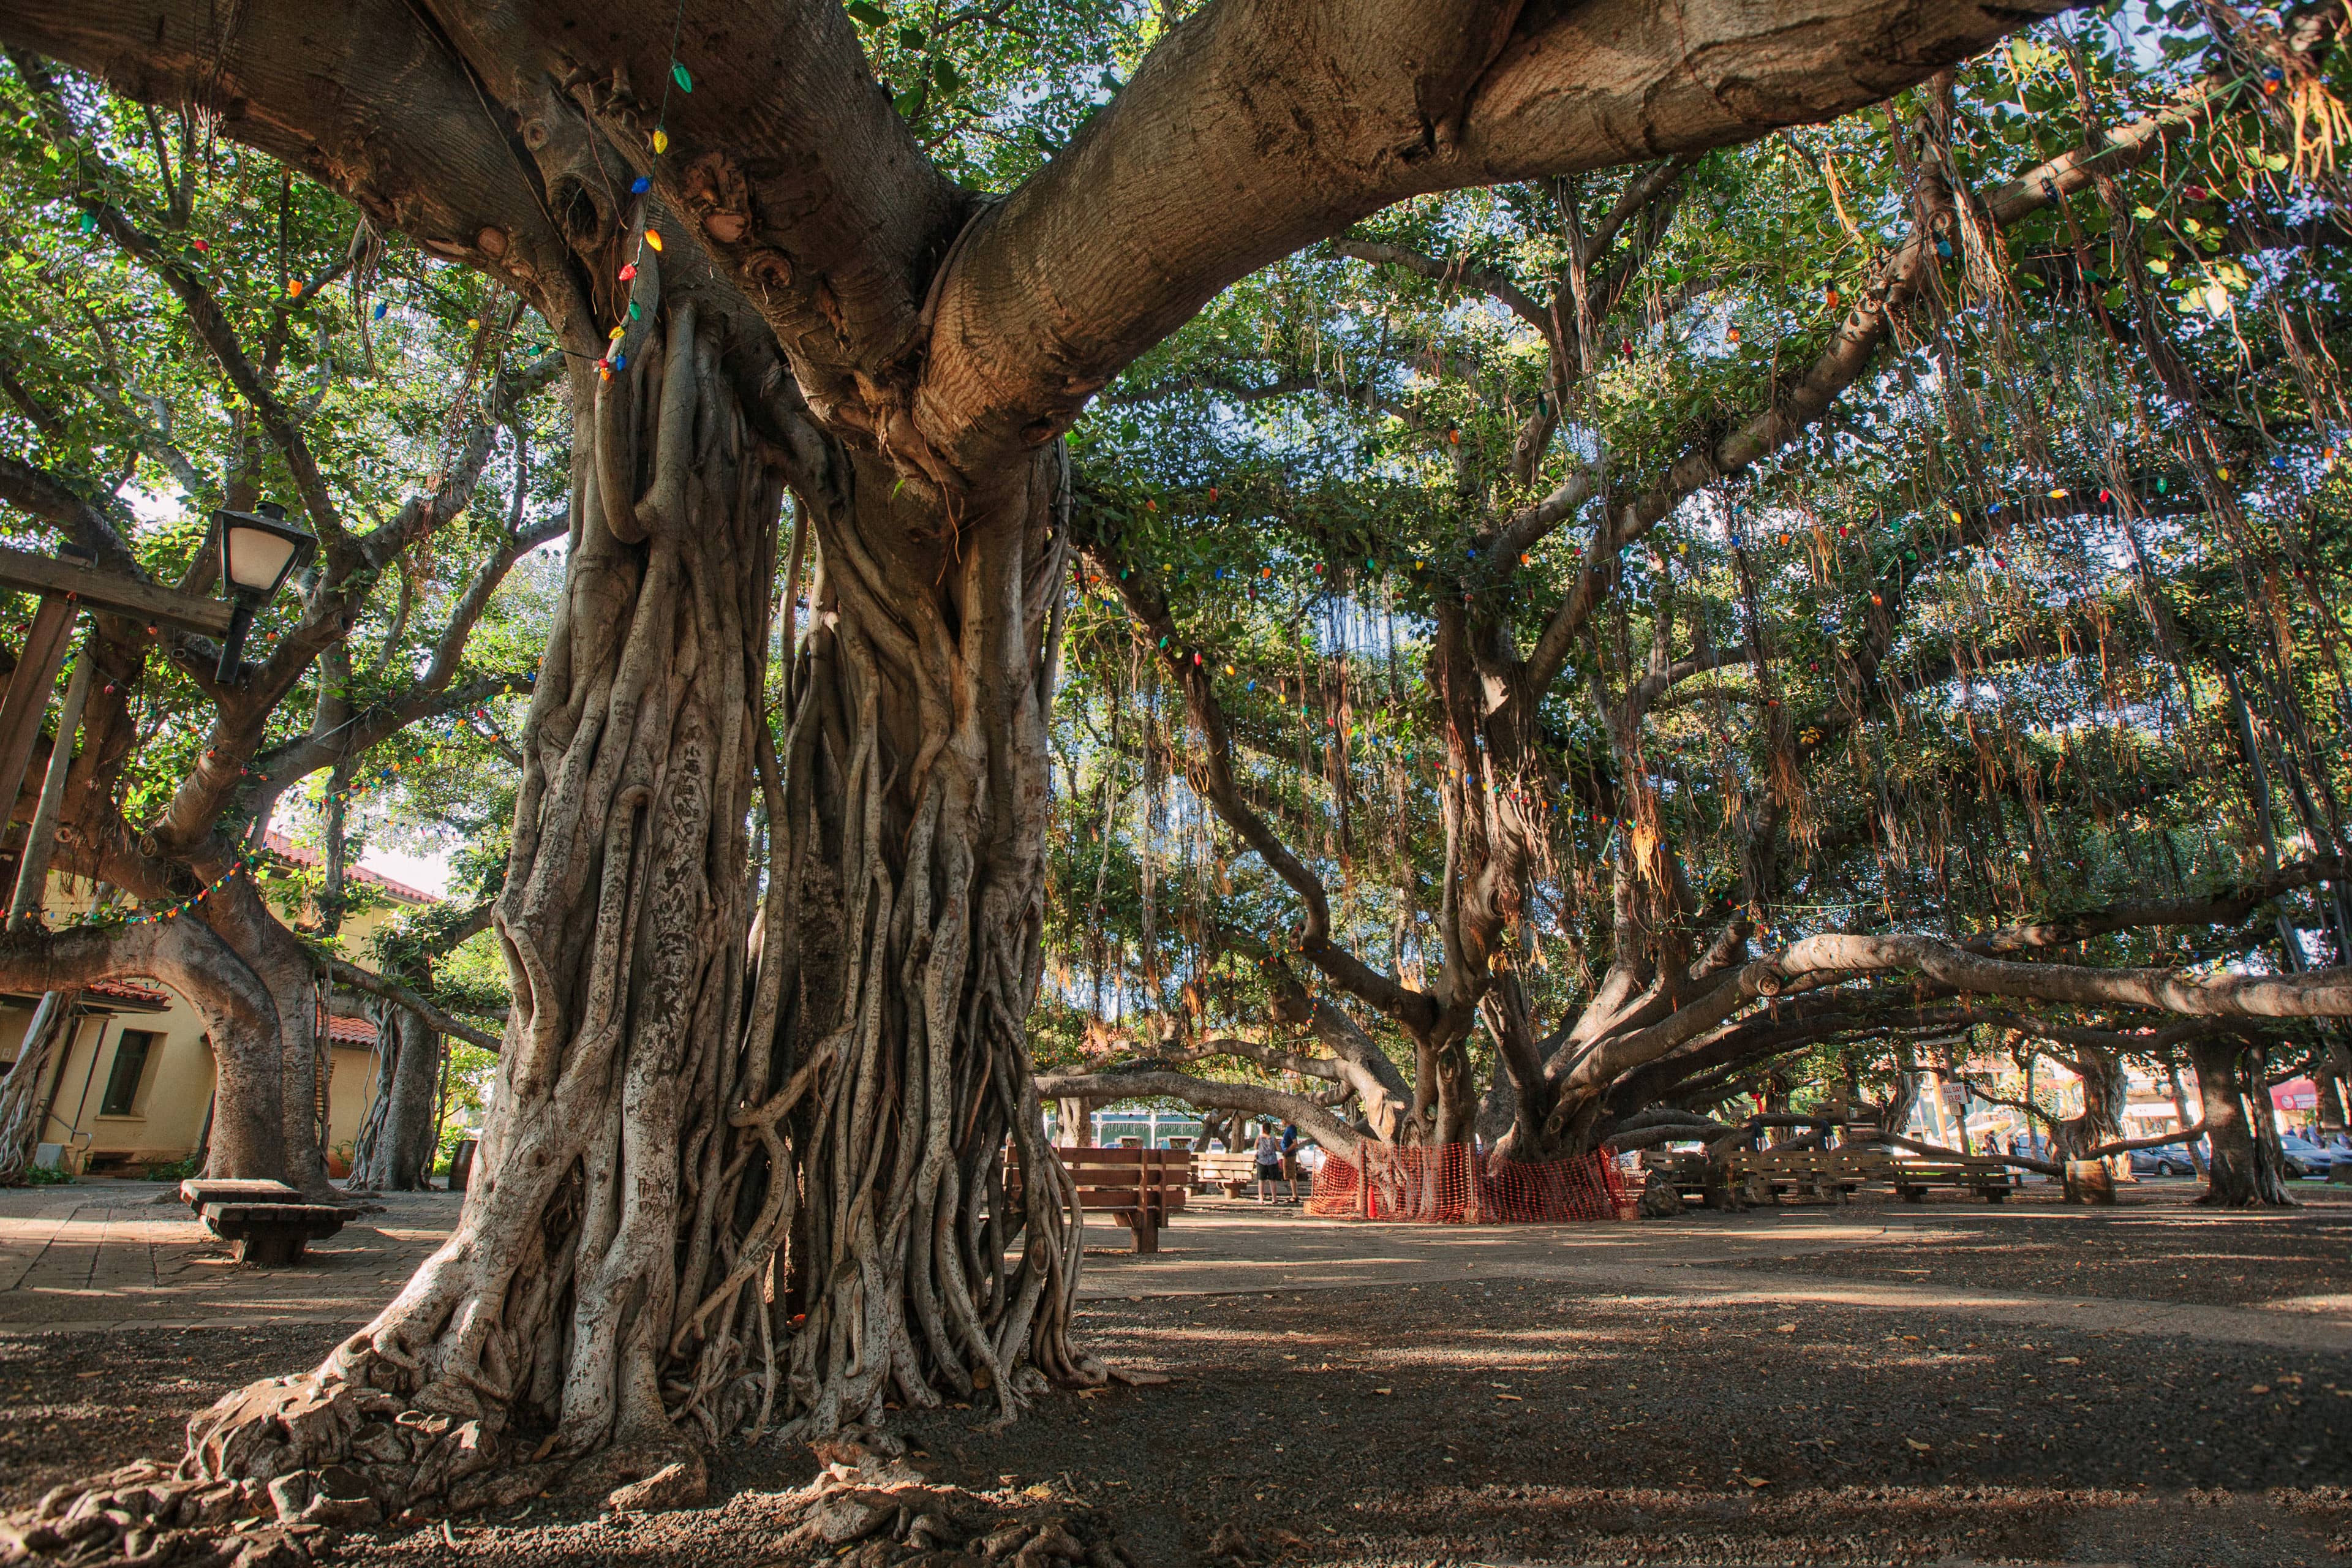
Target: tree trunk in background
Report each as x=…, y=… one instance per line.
x=2106, y=1092
x=396, y=1155
x=23, y=1106
x=2233, y=1176
x=236, y=912
x=409, y=1125
x=2181, y=1115
x=1902, y=1094
x=2335, y=1064
x=2270, y=1155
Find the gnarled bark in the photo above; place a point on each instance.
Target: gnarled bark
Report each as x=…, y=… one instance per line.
x=913, y=801
x=2235, y=1176
x=394, y=1152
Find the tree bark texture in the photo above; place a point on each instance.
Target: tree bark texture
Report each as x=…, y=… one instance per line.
x=913, y=803
x=22, y=1105
x=565, y=1296
x=395, y=1152
x=2235, y=1175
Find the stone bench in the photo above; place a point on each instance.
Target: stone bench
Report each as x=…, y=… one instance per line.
x=270, y=1222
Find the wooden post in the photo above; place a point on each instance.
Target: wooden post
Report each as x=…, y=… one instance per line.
x=28, y=692
x=40, y=839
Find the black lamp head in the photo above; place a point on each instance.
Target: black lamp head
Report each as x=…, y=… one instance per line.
x=260, y=549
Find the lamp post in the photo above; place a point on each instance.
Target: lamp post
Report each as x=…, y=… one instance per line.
x=258, y=549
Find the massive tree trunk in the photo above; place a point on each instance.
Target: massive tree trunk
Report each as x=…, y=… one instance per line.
x=740, y=1173
x=563, y=1300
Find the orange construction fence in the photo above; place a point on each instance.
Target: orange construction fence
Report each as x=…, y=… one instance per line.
x=1454, y=1184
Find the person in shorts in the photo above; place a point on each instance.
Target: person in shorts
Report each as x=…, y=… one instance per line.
x=1290, y=1159
x=1269, y=1162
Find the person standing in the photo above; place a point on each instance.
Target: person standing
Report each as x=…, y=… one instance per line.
x=1290, y=1159
x=1269, y=1162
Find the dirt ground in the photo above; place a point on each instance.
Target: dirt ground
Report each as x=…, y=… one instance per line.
x=1531, y=1420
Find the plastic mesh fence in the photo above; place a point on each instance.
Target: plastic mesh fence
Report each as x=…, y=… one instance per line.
x=1453, y=1183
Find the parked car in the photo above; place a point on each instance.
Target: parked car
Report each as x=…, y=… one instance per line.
x=2166, y=1161
x=2305, y=1158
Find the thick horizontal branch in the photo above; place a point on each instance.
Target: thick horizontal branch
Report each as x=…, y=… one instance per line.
x=1258, y=127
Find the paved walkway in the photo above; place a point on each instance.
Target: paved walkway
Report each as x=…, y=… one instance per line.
x=103, y=1255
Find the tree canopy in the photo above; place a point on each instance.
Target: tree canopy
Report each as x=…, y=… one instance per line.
x=1526, y=570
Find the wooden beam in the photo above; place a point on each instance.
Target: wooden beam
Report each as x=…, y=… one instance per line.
x=107, y=592
x=28, y=694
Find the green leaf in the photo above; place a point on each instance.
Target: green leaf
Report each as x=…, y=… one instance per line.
x=944, y=72
x=913, y=37
x=910, y=101
x=867, y=12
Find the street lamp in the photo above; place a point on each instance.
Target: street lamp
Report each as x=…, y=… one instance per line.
x=258, y=548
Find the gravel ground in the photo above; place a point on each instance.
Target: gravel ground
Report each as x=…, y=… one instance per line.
x=75, y=1404
x=1505, y=1424
x=2036, y=1244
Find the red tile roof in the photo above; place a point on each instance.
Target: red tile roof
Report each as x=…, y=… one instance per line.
x=129, y=992
x=348, y=1031
x=279, y=845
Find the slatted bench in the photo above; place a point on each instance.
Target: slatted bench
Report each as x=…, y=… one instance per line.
x=1911, y=1175
x=1144, y=1187
x=270, y=1222
x=1235, y=1173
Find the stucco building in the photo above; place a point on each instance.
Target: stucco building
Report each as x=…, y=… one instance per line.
x=135, y=1087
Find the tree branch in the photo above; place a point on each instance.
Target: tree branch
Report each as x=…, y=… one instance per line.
x=1310, y=1117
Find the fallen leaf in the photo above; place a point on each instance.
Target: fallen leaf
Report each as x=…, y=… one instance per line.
x=2066, y=1361
x=1786, y=1329
x=1512, y=1397
x=1384, y=1390
x=1922, y=1447
x=2260, y=1388
x=1757, y=1481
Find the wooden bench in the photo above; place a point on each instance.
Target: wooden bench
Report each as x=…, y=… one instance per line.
x=270, y=1222
x=1144, y=1187
x=1235, y=1173
x=1911, y=1175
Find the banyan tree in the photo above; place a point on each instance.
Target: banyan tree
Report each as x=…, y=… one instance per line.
x=833, y=287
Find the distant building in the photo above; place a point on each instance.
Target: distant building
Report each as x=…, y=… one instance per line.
x=136, y=1086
